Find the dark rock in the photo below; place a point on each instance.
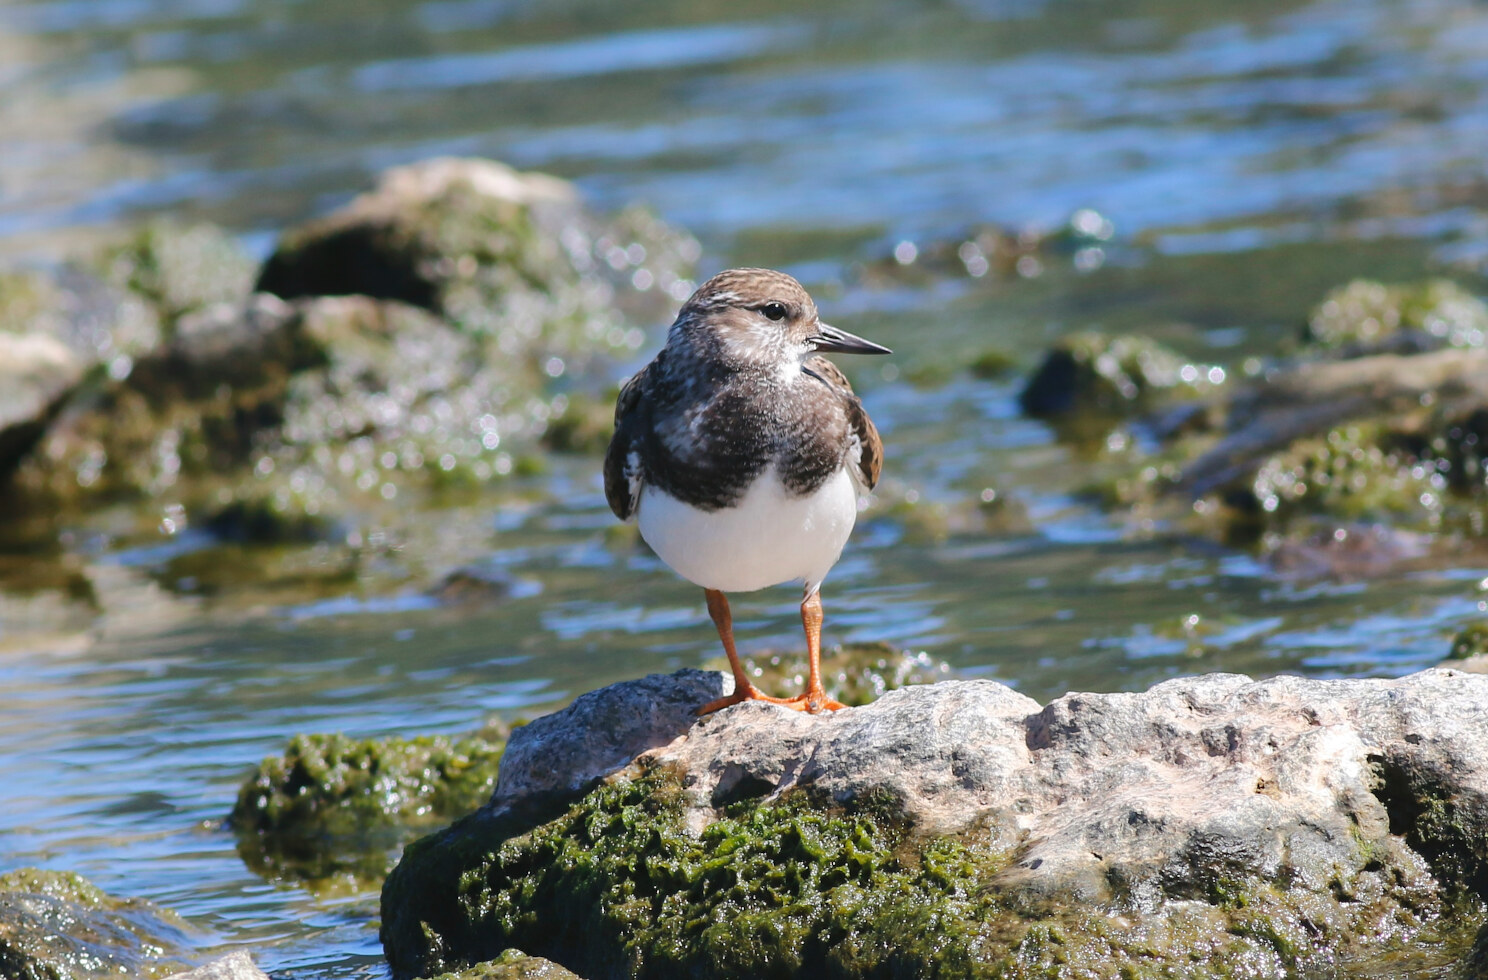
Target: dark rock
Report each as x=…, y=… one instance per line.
x=58, y=926
x=335, y=806
x=1210, y=826
x=237, y=965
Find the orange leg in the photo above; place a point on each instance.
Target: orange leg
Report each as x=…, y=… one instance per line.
x=815, y=699
x=718, y=609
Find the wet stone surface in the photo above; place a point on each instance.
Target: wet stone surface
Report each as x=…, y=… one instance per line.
x=59, y=926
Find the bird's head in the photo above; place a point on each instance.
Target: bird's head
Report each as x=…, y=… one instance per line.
x=760, y=317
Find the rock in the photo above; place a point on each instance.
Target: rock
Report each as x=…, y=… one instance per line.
x=1098, y=375
x=179, y=269
x=97, y=321
x=1209, y=826
x=564, y=754
x=513, y=964
x=237, y=965
x=1365, y=316
x=58, y=926
x=37, y=373
x=333, y=806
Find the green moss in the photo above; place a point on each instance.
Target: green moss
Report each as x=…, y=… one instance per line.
x=59, y=926
x=336, y=806
x=617, y=887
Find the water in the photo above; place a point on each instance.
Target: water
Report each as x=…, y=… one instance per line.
x=1248, y=160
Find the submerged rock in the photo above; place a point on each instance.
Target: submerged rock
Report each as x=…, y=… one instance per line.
x=1212, y=826
x=334, y=806
x=237, y=965
x=1108, y=377
x=57, y=925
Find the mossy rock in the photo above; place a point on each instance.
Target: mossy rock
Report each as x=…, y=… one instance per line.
x=336, y=806
x=618, y=886
x=1414, y=474
x=513, y=964
x=57, y=925
x=855, y=673
x=1365, y=315
x=504, y=254
x=179, y=268
x=1094, y=374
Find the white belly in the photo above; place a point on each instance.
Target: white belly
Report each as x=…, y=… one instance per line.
x=766, y=539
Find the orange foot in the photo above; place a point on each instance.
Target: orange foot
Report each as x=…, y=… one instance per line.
x=813, y=702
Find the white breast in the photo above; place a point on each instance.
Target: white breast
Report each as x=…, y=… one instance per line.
x=767, y=538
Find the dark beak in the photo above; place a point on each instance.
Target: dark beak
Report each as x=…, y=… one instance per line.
x=833, y=341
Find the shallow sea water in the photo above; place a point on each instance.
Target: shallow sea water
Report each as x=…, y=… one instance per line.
x=1247, y=159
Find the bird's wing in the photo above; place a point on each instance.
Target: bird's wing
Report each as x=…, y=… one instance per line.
x=867, y=451
x=622, y=465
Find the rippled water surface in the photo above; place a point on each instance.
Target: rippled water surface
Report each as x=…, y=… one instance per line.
x=1248, y=157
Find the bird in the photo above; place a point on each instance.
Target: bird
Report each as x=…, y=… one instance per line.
x=741, y=452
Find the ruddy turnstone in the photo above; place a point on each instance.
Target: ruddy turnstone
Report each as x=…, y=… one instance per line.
x=741, y=452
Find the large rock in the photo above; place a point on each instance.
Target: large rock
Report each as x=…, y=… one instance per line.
x=59, y=926
x=1212, y=826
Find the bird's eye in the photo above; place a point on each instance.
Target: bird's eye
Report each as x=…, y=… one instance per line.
x=773, y=311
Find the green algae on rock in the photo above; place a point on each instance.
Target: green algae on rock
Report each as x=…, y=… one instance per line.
x=335, y=806
x=1365, y=314
x=57, y=925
